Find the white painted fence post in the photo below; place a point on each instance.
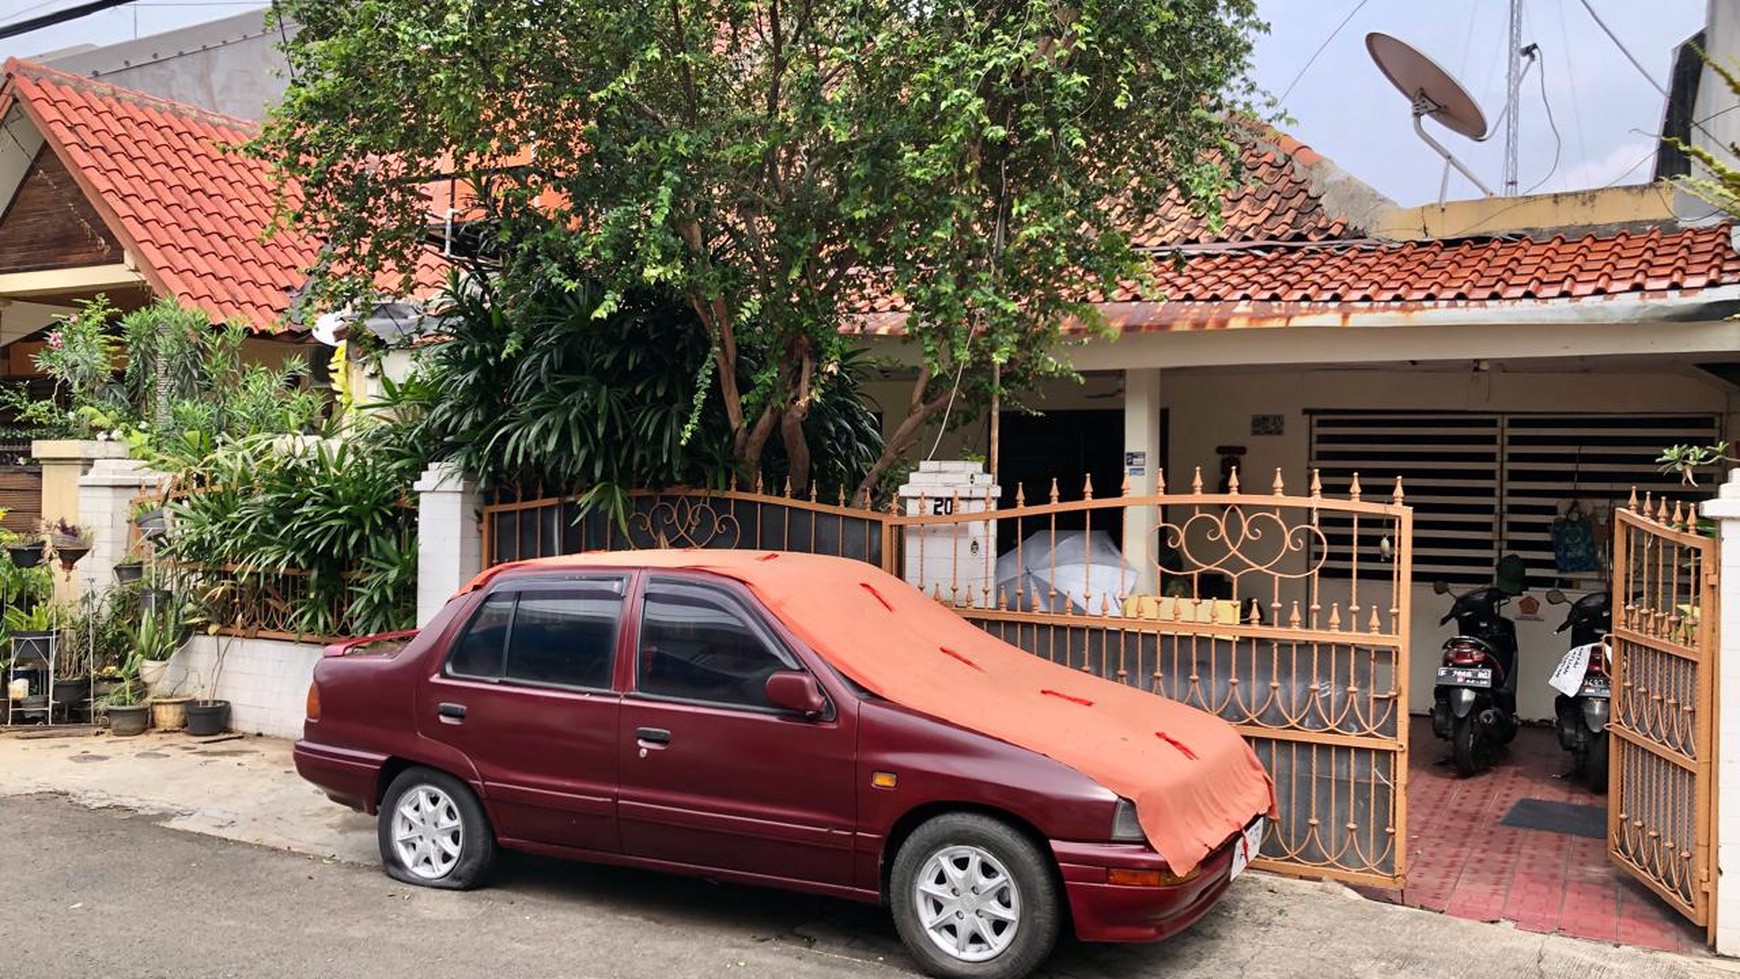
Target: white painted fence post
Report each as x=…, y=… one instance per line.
x=449, y=542
x=955, y=562
x=1725, y=510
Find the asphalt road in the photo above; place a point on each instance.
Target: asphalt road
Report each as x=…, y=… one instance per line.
x=109, y=892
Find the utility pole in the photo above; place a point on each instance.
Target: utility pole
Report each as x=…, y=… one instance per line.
x=1513, y=97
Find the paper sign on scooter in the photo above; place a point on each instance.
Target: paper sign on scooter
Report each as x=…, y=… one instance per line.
x=1568, y=678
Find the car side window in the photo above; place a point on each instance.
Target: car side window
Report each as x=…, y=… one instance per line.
x=566, y=636
x=478, y=653
x=698, y=643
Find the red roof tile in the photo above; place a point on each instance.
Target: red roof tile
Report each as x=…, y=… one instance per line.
x=1273, y=199
x=171, y=181
x=1212, y=284
x=170, y=178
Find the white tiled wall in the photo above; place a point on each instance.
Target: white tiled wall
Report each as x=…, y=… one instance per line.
x=265, y=680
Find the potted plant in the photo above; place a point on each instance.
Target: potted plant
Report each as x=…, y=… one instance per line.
x=124, y=705
x=208, y=715
x=26, y=551
x=148, y=517
x=130, y=568
x=154, y=641
x=69, y=541
x=32, y=630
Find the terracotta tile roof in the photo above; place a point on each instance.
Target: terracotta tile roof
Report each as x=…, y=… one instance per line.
x=172, y=184
x=1273, y=200
x=1214, y=284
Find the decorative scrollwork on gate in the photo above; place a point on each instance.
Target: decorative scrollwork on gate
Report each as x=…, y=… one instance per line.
x=685, y=521
x=1234, y=541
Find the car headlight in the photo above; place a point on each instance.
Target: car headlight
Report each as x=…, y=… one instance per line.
x=1125, y=828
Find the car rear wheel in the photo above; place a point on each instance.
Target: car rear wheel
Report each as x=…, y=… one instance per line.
x=974, y=899
x=433, y=832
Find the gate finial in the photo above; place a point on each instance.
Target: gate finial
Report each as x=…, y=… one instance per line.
x=1087, y=486
x=1160, y=481
x=1196, y=481
x=1280, y=486
x=1317, y=484
x=1396, y=497
x=1353, y=489
x=1232, y=481
x=1054, y=489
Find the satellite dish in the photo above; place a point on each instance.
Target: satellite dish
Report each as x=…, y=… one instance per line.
x=1432, y=92
x=1431, y=89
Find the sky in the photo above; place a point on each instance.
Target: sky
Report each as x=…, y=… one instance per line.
x=1606, y=112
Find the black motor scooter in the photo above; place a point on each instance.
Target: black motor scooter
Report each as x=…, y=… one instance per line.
x=1582, y=716
x=1474, y=701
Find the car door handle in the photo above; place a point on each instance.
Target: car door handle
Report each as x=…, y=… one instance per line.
x=653, y=735
x=451, y=711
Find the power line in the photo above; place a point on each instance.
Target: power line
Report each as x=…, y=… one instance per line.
x=1313, y=59
x=1558, y=142
x=1641, y=70
x=1571, y=73
x=58, y=17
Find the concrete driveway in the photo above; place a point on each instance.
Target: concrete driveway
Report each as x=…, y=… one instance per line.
x=98, y=878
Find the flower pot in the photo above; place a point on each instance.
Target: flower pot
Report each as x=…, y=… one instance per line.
x=25, y=555
x=169, y=713
x=125, y=722
x=128, y=572
x=150, y=521
x=151, y=671
x=75, y=690
x=208, y=717
x=70, y=554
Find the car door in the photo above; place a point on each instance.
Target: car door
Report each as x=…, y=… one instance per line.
x=711, y=774
x=525, y=692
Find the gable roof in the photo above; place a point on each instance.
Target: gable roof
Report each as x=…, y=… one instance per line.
x=171, y=182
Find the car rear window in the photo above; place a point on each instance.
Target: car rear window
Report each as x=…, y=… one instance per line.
x=554, y=633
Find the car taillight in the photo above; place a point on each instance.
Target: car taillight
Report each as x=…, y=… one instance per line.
x=314, y=702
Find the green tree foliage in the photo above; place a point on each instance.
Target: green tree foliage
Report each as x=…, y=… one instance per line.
x=547, y=389
x=782, y=165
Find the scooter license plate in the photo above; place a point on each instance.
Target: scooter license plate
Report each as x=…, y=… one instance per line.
x=1464, y=676
x=1248, y=846
x=1595, y=688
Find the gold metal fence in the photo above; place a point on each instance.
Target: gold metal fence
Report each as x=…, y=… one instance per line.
x=1660, y=813
x=1286, y=615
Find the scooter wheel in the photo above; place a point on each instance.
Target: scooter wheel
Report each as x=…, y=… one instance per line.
x=1462, y=744
x=1595, y=763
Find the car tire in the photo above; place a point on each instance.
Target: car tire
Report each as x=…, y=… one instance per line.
x=1013, y=919
x=433, y=832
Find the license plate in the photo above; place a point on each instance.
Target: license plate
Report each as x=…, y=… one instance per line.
x=1248, y=846
x=1464, y=676
x=1595, y=688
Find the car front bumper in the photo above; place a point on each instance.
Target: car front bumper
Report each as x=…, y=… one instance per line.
x=1106, y=912
x=349, y=778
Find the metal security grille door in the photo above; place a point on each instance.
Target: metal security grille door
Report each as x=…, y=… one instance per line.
x=1660, y=813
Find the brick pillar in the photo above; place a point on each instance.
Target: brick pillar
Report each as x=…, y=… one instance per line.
x=106, y=495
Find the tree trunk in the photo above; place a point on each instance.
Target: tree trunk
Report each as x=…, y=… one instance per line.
x=918, y=412
x=797, y=448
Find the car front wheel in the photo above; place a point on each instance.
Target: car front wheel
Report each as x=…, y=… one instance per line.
x=974, y=899
x=433, y=832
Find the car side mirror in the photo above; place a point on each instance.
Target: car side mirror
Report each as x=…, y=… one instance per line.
x=1556, y=597
x=796, y=691
x=1440, y=587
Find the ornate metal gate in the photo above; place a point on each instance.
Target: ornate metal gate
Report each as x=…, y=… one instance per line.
x=1286, y=615
x=1661, y=805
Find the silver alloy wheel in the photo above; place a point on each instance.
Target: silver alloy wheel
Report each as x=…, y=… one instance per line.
x=428, y=834
x=967, y=903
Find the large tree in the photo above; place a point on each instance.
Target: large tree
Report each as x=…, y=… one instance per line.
x=782, y=164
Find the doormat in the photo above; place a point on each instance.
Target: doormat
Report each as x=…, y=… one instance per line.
x=1558, y=817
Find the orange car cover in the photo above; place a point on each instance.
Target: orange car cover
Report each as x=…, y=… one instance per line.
x=1193, y=779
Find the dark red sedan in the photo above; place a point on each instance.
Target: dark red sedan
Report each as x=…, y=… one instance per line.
x=690, y=716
